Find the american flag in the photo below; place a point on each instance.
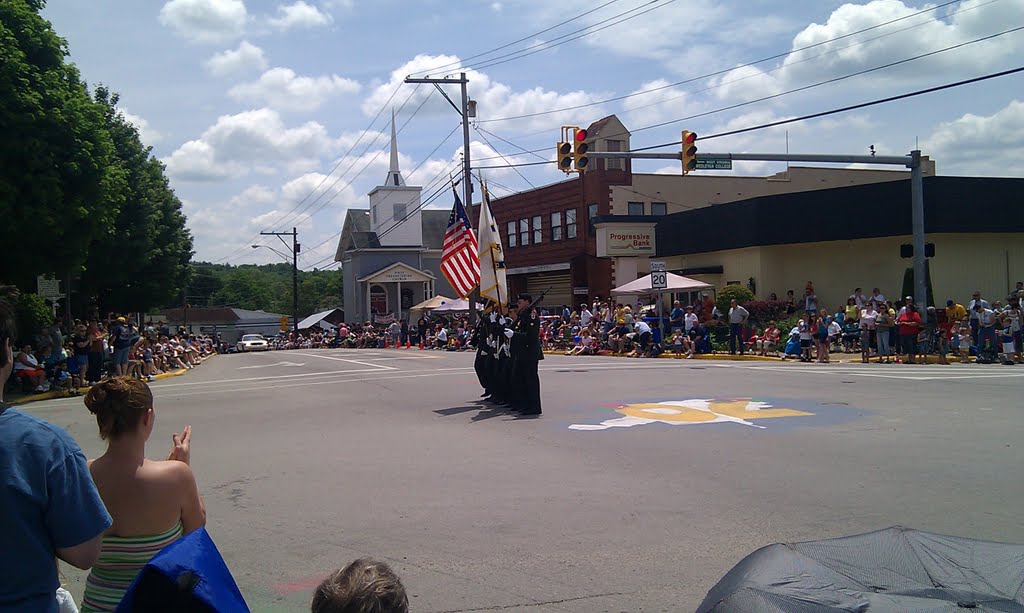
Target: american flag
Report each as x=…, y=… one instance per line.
x=460, y=262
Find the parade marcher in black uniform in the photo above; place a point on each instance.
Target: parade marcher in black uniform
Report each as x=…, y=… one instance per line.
x=528, y=356
x=481, y=340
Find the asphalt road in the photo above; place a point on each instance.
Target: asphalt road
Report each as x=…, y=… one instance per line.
x=611, y=501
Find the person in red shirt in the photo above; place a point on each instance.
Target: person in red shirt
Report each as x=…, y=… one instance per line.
x=910, y=324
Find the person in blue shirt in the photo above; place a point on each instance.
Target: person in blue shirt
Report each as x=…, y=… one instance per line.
x=51, y=508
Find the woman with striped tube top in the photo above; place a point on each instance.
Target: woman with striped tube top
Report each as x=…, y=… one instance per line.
x=152, y=503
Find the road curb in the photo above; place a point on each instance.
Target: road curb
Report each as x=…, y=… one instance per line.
x=52, y=395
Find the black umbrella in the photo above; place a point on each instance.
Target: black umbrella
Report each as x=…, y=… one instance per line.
x=896, y=569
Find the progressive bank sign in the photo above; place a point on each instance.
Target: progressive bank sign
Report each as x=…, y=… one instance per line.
x=623, y=240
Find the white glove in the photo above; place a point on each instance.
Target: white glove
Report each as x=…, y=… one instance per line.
x=509, y=333
x=494, y=318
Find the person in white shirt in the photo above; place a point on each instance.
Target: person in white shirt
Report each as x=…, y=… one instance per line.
x=689, y=320
x=859, y=298
x=977, y=301
x=585, y=315
x=737, y=319
x=986, y=319
x=643, y=335
x=868, y=325
x=877, y=298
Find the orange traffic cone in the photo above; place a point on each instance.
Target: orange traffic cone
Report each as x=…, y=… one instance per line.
x=385, y=342
x=421, y=343
x=408, y=344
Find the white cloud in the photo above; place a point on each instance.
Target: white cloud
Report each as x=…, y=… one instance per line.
x=496, y=7
x=494, y=99
x=253, y=141
x=299, y=15
x=980, y=145
x=205, y=21
x=910, y=37
x=282, y=89
x=148, y=135
x=246, y=58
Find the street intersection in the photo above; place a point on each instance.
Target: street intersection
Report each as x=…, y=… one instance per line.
x=641, y=485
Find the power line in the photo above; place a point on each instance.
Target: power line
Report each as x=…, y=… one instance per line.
x=509, y=164
x=748, y=64
x=820, y=83
x=843, y=109
x=515, y=42
x=587, y=31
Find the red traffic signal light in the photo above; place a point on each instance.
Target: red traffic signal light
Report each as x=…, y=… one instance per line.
x=689, y=151
x=580, y=158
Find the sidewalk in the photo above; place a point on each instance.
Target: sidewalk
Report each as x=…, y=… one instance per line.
x=834, y=358
x=21, y=398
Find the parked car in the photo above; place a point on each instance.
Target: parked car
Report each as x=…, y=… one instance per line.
x=252, y=342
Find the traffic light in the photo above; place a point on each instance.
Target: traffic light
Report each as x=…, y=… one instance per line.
x=580, y=148
x=689, y=153
x=564, y=157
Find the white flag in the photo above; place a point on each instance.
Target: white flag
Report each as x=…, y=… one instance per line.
x=493, y=284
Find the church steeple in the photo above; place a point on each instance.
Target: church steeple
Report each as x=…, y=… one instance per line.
x=394, y=174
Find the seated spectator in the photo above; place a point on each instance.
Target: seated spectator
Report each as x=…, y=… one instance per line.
x=364, y=586
x=26, y=365
x=152, y=502
x=769, y=341
x=51, y=508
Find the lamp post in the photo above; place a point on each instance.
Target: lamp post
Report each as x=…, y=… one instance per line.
x=295, y=269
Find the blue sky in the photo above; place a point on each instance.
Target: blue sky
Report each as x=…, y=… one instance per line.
x=250, y=104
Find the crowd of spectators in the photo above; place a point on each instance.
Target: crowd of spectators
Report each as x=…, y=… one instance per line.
x=94, y=350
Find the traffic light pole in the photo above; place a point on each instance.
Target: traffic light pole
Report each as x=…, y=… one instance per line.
x=467, y=180
x=912, y=161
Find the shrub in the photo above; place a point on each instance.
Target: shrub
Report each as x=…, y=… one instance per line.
x=738, y=293
x=763, y=311
x=31, y=313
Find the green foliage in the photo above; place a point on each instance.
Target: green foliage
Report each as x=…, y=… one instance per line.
x=267, y=287
x=59, y=186
x=31, y=313
x=728, y=293
x=79, y=191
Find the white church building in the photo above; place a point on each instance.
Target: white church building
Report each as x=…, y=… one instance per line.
x=390, y=254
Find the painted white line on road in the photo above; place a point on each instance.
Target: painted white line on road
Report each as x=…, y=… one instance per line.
x=289, y=364
x=328, y=357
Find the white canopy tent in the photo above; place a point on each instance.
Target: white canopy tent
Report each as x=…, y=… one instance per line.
x=676, y=283
x=456, y=306
x=431, y=303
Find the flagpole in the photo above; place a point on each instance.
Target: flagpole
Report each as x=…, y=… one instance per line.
x=485, y=201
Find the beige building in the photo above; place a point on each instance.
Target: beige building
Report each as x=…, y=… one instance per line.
x=839, y=238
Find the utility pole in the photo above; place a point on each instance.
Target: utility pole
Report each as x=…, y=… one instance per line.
x=295, y=271
x=467, y=180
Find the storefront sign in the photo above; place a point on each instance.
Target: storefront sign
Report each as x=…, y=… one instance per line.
x=581, y=291
x=623, y=240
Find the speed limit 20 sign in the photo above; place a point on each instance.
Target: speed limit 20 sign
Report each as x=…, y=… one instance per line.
x=659, y=279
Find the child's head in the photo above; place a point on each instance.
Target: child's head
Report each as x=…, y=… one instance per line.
x=364, y=585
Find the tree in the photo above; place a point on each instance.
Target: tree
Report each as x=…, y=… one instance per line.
x=59, y=187
x=148, y=242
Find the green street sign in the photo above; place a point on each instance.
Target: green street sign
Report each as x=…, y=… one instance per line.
x=713, y=164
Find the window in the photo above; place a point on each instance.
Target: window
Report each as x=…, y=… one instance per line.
x=591, y=214
x=511, y=233
x=556, y=226
x=570, y=224
x=524, y=232
x=614, y=163
x=635, y=208
x=538, y=231
x=399, y=210
x=659, y=208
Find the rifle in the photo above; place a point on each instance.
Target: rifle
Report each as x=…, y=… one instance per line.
x=533, y=305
